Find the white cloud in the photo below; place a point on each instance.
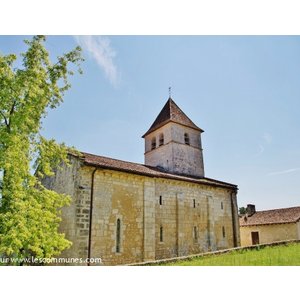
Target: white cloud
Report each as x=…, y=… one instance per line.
x=266, y=140
x=283, y=172
x=267, y=137
x=100, y=49
x=261, y=149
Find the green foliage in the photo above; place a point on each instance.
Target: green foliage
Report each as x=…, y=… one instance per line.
x=242, y=210
x=29, y=213
x=279, y=255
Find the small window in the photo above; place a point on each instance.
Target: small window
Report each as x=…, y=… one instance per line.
x=153, y=143
x=118, y=237
x=161, y=232
x=161, y=139
x=186, y=139
x=160, y=200
x=222, y=205
x=195, y=234
x=223, y=231
x=194, y=203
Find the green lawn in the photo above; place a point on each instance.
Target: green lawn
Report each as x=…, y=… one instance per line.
x=283, y=255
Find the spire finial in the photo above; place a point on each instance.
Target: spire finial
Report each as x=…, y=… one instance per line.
x=169, y=92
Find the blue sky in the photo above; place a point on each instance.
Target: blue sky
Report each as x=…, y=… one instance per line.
x=244, y=91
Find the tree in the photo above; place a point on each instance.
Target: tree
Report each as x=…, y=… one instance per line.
x=30, y=213
x=242, y=210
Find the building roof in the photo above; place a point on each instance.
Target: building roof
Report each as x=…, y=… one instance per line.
x=171, y=113
x=135, y=168
x=274, y=216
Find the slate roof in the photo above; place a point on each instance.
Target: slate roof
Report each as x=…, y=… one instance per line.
x=274, y=216
x=171, y=113
x=135, y=168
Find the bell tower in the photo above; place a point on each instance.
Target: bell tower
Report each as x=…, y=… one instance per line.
x=173, y=143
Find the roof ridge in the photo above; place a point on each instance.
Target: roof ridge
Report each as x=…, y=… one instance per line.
x=216, y=180
x=125, y=161
x=276, y=209
x=137, y=168
x=171, y=112
x=272, y=216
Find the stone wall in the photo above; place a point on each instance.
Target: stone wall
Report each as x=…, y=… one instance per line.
x=118, y=195
x=269, y=233
x=135, y=200
x=174, y=155
x=193, y=217
x=70, y=180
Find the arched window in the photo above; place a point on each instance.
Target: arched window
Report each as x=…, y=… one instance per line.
x=161, y=139
x=223, y=231
x=118, y=236
x=153, y=143
x=161, y=232
x=194, y=203
x=186, y=139
x=222, y=205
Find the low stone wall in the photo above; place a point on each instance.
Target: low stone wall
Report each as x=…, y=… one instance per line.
x=190, y=257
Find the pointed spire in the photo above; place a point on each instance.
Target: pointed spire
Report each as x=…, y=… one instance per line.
x=171, y=113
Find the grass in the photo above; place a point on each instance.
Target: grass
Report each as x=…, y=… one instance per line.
x=280, y=255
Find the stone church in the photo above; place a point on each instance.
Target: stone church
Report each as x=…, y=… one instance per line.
x=124, y=212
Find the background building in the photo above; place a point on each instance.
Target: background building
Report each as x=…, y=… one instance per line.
x=260, y=227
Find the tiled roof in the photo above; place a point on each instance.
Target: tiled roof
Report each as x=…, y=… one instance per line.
x=171, y=113
x=129, y=167
x=274, y=216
